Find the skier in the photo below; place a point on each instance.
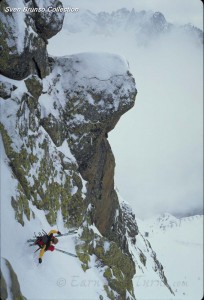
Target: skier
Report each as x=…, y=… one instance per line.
x=45, y=243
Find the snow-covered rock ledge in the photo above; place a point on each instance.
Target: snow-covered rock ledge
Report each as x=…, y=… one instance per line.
x=97, y=85
x=86, y=93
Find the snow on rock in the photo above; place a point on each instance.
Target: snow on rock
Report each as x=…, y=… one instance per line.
x=42, y=169
x=99, y=65
x=103, y=80
x=150, y=273
x=64, y=148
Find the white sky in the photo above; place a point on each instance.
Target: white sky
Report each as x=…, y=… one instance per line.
x=158, y=144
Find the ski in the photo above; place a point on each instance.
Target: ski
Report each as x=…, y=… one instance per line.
x=31, y=241
x=68, y=233
x=58, y=235
x=65, y=252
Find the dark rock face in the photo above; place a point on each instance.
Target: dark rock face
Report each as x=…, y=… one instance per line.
x=49, y=23
x=23, y=50
x=14, y=287
x=4, y=293
x=159, y=268
x=130, y=223
x=102, y=195
x=6, y=89
x=120, y=267
x=34, y=86
x=93, y=105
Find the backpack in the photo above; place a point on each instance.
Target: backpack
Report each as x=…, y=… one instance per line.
x=43, y=240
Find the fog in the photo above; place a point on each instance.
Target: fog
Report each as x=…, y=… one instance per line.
x=158, y=144
x=159, y=152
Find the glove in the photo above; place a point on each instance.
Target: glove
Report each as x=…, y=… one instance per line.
x=40, y=260
x=59, y=233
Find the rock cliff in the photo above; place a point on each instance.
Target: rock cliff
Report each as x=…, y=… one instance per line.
x=55, y=117
x=24, y=37
x=14, y=287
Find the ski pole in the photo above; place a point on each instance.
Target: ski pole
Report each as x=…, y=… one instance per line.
x=37, y=249
x=65, y=252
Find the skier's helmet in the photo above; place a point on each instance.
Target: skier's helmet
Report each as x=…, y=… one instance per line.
x=55, y=240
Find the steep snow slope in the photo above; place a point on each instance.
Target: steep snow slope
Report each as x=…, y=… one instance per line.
x=179, y=246
x=59, y=276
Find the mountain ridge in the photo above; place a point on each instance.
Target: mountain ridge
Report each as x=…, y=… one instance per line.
x=167, y=220
x=143, y=24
